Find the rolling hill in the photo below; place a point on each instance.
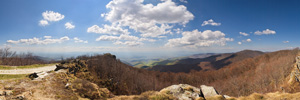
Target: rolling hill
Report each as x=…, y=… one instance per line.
x=212, y=62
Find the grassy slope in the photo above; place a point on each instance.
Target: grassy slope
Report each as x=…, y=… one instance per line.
x=18, y=76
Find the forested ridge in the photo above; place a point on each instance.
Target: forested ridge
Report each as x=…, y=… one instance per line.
x=262, y=74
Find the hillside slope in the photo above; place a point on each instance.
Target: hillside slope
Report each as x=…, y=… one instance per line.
x=263, y=73
x=208, y=63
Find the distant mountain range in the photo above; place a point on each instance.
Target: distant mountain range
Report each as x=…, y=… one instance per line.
x=149, y=63
x=207, y=61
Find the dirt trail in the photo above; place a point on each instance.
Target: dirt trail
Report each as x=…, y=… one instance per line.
x=28, y=71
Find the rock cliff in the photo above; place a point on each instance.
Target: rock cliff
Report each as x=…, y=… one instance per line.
x=295, y=74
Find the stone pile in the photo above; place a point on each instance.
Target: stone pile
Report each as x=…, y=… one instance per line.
x=188, y=92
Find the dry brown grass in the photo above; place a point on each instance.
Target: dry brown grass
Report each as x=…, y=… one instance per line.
x=270, y=96
x=217, y=97
x=86, y=89
x=149, y=95
x=50, y=88
x=200, y=98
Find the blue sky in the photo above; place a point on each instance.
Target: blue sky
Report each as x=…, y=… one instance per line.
x=150, y=27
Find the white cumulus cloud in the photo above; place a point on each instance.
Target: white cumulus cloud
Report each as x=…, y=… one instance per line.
x=107, y=38
x=147, y=39
x=77, y=40
x=52, y=16
x=244, y=34
x=148, y=19
x=210, y=22
x=129, y=39
x=265, y=32
x=47, y=37
x=129, y=43
x=184, y=1
x=33, y=41
x=114, y=30
x=43, y=23
x=68, y=25
x=197, y=38
x=102, y=15
x=178, y=30
x=285, y=41
x=239, y=43
x=123, y=37
x=248, y=40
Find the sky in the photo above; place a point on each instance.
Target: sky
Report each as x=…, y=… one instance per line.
x=144, y=28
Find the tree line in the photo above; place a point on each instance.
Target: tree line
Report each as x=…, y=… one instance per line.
x=12, y=58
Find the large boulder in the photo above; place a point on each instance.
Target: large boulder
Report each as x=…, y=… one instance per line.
x=2, y=93
x=183, y=91
x=208, y=91
x=8, y=92
x=226, y=96
x=2, y=98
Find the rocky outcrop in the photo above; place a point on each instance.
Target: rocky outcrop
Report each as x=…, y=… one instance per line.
x=208, y=91
x=295, y=74
x=183, y=91
x=188, y=92
x=73, y=66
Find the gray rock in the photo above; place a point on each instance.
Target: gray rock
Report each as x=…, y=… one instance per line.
x=67, y=85
x=8, y=92
x=2, y=98
x=19, y=97
x=2, y=93
x=42, y=74
x=183, y=91
x=226, y=96
x=208, y=91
